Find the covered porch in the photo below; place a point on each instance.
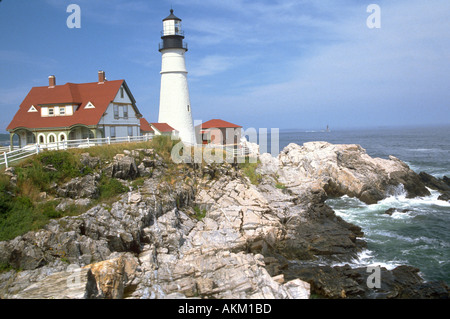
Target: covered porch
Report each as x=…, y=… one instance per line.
x=22, y=137
x=82, y=132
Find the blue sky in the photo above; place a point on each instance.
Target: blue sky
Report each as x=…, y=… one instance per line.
x=271, y=64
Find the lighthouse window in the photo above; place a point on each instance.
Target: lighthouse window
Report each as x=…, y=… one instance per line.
x=189, y=108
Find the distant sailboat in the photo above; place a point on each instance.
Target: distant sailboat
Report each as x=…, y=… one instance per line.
x=328, y=129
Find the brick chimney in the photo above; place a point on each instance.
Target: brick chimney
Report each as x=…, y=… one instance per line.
x=51, y=81
x=101, y=77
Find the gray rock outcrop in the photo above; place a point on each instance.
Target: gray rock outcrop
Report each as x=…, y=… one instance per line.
x=210, y=233
x=345, y=170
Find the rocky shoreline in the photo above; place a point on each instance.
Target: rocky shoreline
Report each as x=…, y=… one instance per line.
x=211, y=233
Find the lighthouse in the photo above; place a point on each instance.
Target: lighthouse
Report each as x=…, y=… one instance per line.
x=174, y=104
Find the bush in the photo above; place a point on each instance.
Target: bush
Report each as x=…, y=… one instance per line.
x=110, y=187
x=48, y=209
x=18, y=219
x=249, y=169
x=163, y=144
x=5, y=195
x=47, y=168
x=199, y=214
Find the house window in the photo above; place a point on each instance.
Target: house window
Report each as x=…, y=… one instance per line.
x=51, y=111
x=41, y=139
x=62, y=110
x=130, y=131
x=116, y=112
x=112, y=131
x=125, y=111
x=121, y=92
x=51, y=139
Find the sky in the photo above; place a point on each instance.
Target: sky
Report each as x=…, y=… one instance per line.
x=288, y=64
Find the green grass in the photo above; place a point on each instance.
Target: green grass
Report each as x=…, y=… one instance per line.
x=161, y=144
x=110, y=187
x=199, y=213
x=249, y=170
x=280, y=185
x=38, y=173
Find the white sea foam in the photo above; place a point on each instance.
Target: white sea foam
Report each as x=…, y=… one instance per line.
x=366, y=258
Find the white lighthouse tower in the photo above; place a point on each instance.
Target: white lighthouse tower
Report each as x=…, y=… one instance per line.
x=174, y=104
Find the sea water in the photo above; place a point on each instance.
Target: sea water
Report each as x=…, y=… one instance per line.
x=418, y=232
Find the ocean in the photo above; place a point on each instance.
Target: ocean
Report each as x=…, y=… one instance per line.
x=419, y=237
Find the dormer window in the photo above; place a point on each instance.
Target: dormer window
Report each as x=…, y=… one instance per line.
x=65, y=110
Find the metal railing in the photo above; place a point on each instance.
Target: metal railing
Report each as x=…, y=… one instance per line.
x=184, y=45
x=236, y=150
x=172, y=31
x=7, y=158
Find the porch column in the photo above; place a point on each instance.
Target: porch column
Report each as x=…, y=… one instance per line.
x=11, y=135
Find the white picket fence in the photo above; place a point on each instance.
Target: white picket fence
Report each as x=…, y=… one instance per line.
x=9, y=157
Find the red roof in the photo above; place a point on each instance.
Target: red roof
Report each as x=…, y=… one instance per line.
x=163, y=127
x=100, y=95
x=217, y=123
x=145, y=126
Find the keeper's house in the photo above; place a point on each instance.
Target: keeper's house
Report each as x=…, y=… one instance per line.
x=56, y=113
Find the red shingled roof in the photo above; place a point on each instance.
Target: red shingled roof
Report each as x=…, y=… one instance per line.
x=217, y=123
x=163, y=127
x=101, y=95
x=145, y=126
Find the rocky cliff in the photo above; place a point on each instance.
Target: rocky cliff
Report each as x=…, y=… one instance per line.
x=209, y=232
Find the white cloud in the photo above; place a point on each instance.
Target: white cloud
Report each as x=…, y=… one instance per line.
x=215, y=64
x=396, y=73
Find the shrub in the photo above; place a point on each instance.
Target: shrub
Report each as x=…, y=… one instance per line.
x=249, y=170
x=199, y=214
x=18, y=219
x=110, y=187
x=5, y=195
x=48, y=209
x=46, y=168
x=163, y=144
x=280, y=185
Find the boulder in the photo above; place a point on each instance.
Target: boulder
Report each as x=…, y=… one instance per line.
x=339, y=282
x=445, y=196
x=123, y=167
x=435, y=183
x=347, y=170
x=81, y=187
x=74, y=283
x=112, y=276
x=90, y=161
